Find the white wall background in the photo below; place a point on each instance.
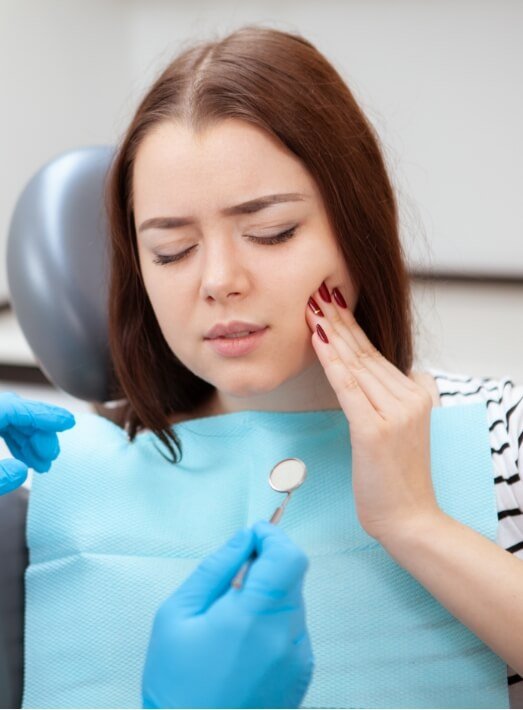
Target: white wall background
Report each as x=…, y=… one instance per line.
x=440, y=79
x=65, y=78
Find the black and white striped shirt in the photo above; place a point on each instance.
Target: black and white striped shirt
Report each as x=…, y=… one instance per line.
x=504, y=402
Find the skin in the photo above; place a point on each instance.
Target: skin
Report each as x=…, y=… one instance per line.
x=227, y=277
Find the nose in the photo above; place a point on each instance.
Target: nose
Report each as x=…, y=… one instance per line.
x=223, y=272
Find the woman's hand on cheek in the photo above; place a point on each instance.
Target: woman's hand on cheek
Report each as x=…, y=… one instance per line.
x=389, y=421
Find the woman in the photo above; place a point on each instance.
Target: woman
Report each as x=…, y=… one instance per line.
x=249, y=196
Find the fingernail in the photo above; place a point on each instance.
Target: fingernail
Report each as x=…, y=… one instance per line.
x=339, y=298
x=322, y=333
x=324, y=293
x=314, y=307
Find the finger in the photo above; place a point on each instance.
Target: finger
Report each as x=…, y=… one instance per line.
x=12, y=475
x=15, y=435
x=398, y=381
x=16, y=443
x=356, y=337
x=15, y=410
x=343, y=366
x=384, y=401
x=212, y=577
x=354, y=402
x=45, y=448
x=364, y=357
x=37, y=450
x=302, y=667
x=277, y=574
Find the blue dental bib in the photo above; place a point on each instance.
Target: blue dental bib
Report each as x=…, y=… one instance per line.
x=114, y=528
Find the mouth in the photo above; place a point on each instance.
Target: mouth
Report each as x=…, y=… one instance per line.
x=237, y=344
x=233, y=336
x=242, y=330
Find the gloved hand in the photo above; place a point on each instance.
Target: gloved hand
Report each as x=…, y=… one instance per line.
x=215, y=646
x=29, y=430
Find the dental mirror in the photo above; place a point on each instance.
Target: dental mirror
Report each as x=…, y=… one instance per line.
x=285, y=477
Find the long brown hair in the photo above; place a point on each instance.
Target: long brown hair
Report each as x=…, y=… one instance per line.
x=283, y=84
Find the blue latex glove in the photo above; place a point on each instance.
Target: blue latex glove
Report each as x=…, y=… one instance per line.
x=215, y=646
x=29, y=430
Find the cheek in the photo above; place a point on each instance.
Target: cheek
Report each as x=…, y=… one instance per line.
x=167, y=307
x=316, y=260
x=294, y=279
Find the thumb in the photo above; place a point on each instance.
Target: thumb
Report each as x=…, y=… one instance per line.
x=212, y=578
x=276, y=578
x=12, y=474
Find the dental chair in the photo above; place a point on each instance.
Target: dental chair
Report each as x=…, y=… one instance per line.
x=57, y=265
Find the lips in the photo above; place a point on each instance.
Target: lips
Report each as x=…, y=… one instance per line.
x=237, y=347
x=234, y=327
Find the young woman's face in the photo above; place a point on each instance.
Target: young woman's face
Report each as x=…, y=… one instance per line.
x=214, y=272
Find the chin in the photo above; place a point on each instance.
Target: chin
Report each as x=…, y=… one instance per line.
x=250, y=385
x=250, y=379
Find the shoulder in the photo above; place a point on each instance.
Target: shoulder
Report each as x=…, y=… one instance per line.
x=98, y=441
x=95, y=443
x=504, y=402
x=91, y=445
x=91, y=433
x=458, y=389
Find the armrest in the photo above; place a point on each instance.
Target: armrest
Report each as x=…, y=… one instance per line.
x=13, y=562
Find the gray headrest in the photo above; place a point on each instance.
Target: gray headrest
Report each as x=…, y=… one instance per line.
x=57, y=267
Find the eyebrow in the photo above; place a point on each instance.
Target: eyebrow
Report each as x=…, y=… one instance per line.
x=249, y=207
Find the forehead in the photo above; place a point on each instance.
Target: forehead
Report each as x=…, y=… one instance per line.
x=227, y=163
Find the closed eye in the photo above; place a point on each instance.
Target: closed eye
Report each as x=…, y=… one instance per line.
x=275, y=239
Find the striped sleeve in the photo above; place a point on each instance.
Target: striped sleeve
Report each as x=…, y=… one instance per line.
x=513, y=402
x=504, y=402
x=509, y=481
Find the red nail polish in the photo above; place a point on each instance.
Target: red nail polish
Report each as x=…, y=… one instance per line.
x=314, y=307
x=322, y=333
x=339, y=298
x=324, y=293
